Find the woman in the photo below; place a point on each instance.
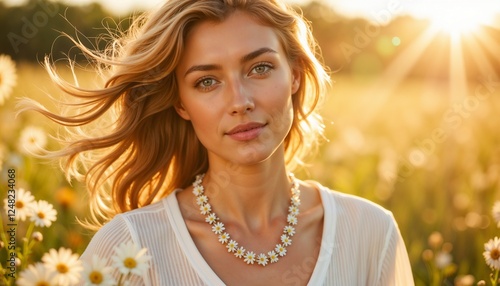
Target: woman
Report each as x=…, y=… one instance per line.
x=211, y=104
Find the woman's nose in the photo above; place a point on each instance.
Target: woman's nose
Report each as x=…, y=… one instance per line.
x=240, y=98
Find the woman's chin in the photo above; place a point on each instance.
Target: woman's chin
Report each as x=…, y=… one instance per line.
x=252, y=155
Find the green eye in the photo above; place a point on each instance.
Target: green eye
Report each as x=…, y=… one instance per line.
x=262, y=69
x=205, y=84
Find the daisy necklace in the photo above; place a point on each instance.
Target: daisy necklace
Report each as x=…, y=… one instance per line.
x=232, y=246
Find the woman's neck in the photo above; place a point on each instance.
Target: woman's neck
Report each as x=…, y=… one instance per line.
x=251, y=196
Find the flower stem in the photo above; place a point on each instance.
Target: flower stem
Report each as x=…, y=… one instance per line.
x=4, y=279
x=494, y=281
x=2, y=234
x=27, y=246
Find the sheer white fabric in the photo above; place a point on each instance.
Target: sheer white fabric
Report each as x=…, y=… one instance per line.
x=361, y=245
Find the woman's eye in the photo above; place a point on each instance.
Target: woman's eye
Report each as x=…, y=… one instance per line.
x=205, y=83
x=261, y=69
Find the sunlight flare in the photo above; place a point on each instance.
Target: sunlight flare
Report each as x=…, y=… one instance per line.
x=459, y=18
x=397, y=71
x=458, y=78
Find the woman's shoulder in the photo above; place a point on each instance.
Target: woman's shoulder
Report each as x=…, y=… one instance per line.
x=132, y=225
x=352, y=205
x=357, y=220
x=141, y=217
x=155, y=207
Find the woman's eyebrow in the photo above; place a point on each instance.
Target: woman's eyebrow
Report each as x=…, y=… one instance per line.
x=248, y=57
x=257, y=53
x=202, y=68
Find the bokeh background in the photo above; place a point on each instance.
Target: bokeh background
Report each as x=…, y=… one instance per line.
x=412, y=119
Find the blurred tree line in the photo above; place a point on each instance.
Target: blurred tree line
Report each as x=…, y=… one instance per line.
x=31, y=31
x=358, y=46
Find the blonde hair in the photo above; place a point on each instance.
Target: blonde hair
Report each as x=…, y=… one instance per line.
x=149, y=150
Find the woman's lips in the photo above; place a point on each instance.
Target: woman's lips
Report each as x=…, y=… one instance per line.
x=246, y=132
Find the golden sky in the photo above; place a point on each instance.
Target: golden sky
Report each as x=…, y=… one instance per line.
x=460, y=13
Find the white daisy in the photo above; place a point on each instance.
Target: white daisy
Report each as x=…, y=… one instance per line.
x=296, y=201
x=273, y=256
x=223, y=238
x=281, y=250
x=293, y=210
x=240, y=252
x=65, y=264
x=290, y=230
x=291, y=219
x=496, y=212
x=285, y=239
x=8, y=77
x=43, y=213
x=201, y=200
x=24, y=204
x=205, y=209
x=492, y=253
x=97, y=273
x=198, y=190
x=231, y=246
x=32, y=140
x=262, y=259
x=36, y=274
x=129, y=258
x=250, y=257
x=218, y=228
x=211, y=218
x=199, y=178
x=296, y=190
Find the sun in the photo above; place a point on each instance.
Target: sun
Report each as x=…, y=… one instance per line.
x=460, y=19
x=454, y=24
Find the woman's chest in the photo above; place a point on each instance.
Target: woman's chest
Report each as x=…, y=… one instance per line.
x=295, y=267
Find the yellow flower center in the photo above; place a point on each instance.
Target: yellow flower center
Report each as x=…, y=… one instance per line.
x=95, y=277
x=130, y=262
x=41, y=215
x=19, y=204
x=62, y=268
x=42, y=283
x=495, y=254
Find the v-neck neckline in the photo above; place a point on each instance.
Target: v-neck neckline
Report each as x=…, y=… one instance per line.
x=209, y=276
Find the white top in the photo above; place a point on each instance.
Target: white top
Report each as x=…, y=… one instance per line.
x=361, y=245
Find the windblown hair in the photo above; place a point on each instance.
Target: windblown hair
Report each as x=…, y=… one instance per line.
x=147, y=150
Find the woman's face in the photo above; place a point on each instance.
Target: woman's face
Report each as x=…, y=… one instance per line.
x=235, y=85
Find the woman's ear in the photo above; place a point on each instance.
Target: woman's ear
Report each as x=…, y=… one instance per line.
x=295, y=80
x=179, y=108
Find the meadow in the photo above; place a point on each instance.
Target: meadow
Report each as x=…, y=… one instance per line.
x=430, y=157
